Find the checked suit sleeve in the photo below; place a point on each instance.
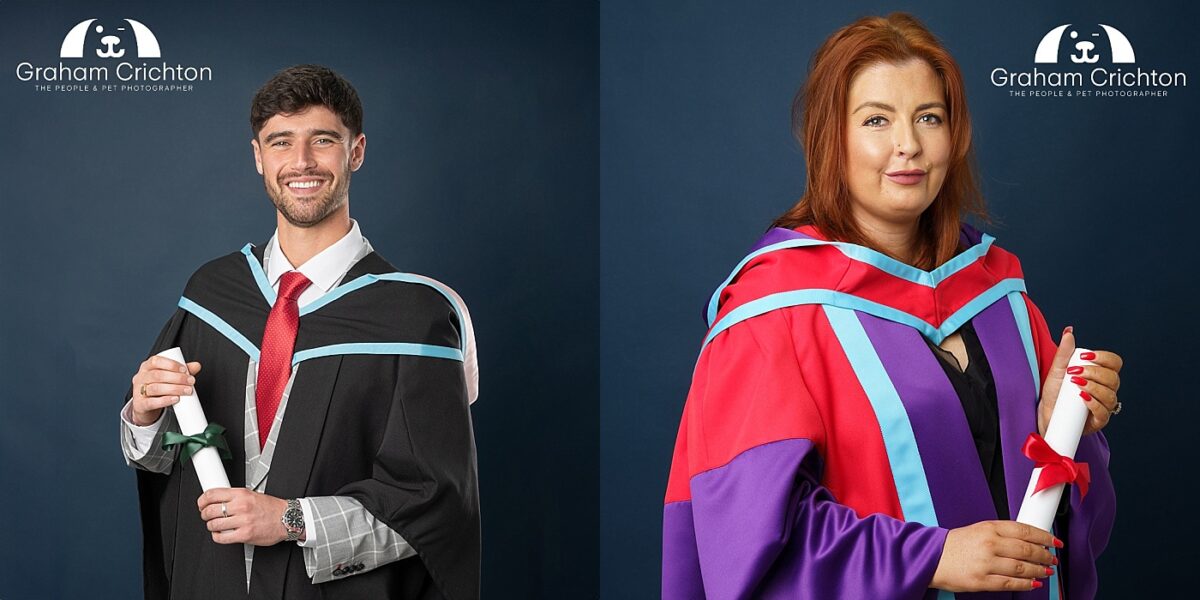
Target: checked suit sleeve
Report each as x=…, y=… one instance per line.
x=348, y=539
x=152, y=458
x=142, y=446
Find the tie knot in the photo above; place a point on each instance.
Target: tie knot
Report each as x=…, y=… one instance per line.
x=292, y=284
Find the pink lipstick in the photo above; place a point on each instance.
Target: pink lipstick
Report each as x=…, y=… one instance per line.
x=910, y=177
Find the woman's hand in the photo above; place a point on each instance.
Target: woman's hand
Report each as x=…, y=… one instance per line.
x=995, y=556
x=1099, y=382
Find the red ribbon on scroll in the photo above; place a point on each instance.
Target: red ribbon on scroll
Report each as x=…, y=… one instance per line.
x=1056, y=468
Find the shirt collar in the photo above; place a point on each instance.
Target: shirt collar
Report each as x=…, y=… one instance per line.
x=326, y=268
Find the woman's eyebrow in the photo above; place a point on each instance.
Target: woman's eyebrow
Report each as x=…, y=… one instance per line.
x=890, y=108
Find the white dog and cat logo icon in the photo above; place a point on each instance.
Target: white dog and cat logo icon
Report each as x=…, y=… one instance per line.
x=110, y=55
x=1084, y=51
x=109, y=43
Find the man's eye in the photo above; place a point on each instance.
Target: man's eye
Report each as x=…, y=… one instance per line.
x=279, y=144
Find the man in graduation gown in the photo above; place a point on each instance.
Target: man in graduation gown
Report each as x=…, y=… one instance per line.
x=823, y=452
x=342, y=384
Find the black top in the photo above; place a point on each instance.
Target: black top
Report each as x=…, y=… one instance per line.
x=391, y=431
x=976, y=390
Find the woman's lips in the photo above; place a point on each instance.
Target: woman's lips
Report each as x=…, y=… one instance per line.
x=906, y=177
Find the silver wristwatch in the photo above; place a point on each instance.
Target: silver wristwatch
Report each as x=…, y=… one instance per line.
x=293, y=520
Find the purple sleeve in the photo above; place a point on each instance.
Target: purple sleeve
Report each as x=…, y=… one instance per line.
x=1091, y=520
x=762, y=527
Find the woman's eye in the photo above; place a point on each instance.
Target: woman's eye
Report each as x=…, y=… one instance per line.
x=876, y=121
x=931, y=119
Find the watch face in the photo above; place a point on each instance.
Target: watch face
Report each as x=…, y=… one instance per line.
x=294, y=520
x=293, y=517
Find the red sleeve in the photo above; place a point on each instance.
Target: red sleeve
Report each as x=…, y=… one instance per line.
x=1044, y=345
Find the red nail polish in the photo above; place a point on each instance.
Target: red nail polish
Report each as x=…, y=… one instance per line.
x=1057, y=543
x=1055, y=559
x=1088, y=356
x=1086, y=396
x=1036, y=584
x=1068, y=329
x=1077, y=380
x=1049, y=571
x=1074, y=370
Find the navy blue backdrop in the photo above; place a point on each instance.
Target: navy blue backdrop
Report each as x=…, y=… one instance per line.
x=583, y=176
x=480, y=171
x=1096, y=195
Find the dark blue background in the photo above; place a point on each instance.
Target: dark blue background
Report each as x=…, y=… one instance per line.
x=583, y=176
x=1097, y=196
x=480, y=171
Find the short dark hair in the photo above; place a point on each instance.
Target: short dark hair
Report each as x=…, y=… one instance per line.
x=297, y=88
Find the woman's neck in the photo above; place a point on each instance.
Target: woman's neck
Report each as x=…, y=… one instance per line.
x=896, y=239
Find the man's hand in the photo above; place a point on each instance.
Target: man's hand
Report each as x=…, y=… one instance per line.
x=158, y=384
x=253, y=518
x=995, y=556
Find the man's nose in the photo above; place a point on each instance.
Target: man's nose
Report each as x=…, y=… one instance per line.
x=304, y=158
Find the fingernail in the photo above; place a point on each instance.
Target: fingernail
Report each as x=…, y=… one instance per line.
x=1077, y=380
x=1069, y=329
x=1074, y=370
x=1049, y=571
x=187, y=391
x=192, y=380
x=1057, y=543
x=183, y=369
x=1055, y=559
x=1086, y=396
x=1088, y=356
x=1036, y=584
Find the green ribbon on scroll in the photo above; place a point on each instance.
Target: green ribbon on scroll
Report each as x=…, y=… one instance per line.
x=211, y=437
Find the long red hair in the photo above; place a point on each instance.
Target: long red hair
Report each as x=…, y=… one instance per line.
x=819, y=114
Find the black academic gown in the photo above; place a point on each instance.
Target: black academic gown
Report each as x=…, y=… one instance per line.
x=390, y=430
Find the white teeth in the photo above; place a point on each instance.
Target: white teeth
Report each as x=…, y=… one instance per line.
x=304, y=184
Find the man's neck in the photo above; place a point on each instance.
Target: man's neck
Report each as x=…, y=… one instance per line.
x=302, y=243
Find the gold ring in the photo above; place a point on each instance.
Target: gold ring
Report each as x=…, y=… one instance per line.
x=143, y=390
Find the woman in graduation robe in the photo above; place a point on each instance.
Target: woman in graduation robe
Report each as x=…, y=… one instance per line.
x=856, y=419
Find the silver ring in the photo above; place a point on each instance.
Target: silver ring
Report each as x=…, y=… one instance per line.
x=1117, y=410
x=224, y=511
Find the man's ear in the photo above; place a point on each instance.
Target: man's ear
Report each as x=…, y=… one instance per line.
x=257, y=155
x=358, y=152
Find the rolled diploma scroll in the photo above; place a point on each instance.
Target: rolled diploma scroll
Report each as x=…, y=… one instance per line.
x=1062, y=434
x=191, y=422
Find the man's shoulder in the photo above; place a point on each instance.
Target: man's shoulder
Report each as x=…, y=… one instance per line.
x=386, y=283
x=223, y=270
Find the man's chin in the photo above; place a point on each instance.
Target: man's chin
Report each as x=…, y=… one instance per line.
x=303, y=218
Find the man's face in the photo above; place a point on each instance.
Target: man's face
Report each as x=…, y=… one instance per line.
x=306, y=159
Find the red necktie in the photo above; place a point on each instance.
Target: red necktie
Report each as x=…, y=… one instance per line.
x=279, y=340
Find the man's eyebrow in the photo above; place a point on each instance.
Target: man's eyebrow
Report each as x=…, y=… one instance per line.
x=890, y=108
x=277, y=134
x=312, y=133
x=328, y=133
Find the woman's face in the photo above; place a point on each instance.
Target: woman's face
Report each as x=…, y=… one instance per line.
x=898, y=143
